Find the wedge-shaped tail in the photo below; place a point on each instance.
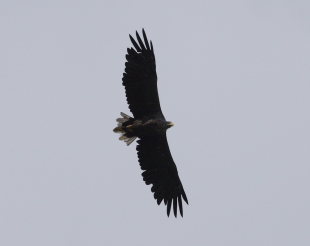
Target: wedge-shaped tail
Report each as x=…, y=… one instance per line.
x=121, y=128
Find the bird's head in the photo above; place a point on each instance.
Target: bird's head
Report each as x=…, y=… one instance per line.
x=169, y=124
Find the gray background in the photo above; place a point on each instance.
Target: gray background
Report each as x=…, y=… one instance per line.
x=233, y=76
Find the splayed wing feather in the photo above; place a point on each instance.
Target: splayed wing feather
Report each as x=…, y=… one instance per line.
x=134, y=43
x=140, y=41
x=180, y=205
x=175, y=209
x=145, y=40
x=168, y=207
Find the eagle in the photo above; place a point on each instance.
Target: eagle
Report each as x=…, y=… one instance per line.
x=149, y=125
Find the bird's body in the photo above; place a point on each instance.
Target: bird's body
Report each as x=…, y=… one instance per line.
x=146, y=127
x=149, y=125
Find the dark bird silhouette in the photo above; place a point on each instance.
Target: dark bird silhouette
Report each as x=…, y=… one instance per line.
x=149, y=125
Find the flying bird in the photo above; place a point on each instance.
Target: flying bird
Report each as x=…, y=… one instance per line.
x=149, y=125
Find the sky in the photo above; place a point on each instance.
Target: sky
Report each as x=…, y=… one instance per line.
x=232, y=75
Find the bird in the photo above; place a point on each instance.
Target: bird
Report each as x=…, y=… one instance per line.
x=149, y=125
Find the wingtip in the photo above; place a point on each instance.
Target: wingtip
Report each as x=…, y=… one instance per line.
x=152, y=49
x=180, y=205
x=132, y=39
x=145, y=39
x=138, y=36
x=184, y=197
x=175, y=206
x=137, y=47
x=141, y=44
x=168, y=207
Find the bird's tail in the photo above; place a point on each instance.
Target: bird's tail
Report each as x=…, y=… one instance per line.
x=121, y=128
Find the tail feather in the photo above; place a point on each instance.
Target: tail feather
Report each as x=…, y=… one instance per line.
x=130, y=140
x=125, y=116
x=123, y=137
x=118, y=129
x=121, y=120
x=121, y=128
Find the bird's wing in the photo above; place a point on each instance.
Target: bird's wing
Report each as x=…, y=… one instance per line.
x=140, y=79
x=160, y=171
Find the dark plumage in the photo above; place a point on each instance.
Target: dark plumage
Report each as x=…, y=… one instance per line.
x=149, y=125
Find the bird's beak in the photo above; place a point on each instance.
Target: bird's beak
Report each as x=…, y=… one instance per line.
x=170, y=124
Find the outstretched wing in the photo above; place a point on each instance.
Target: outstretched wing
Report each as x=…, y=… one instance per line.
x=160, y=171
x=140, y=79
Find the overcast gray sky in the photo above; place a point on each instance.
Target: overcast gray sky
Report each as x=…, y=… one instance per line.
x=233, y=77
